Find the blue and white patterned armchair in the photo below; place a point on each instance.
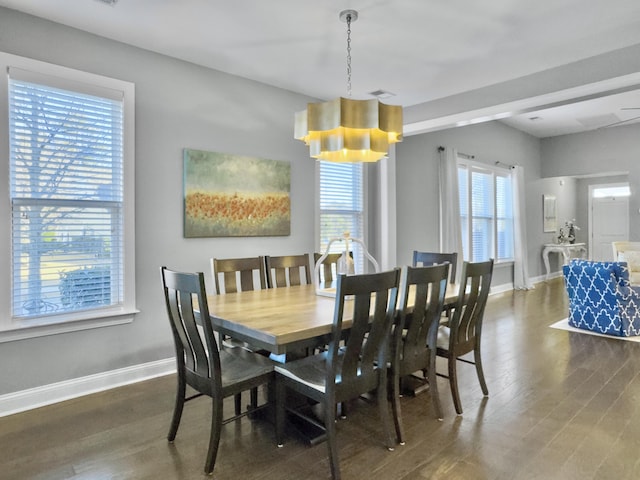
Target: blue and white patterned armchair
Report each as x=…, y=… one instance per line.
x=601, y=298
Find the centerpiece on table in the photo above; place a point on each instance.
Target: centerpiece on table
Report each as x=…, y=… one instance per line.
x=345, y=264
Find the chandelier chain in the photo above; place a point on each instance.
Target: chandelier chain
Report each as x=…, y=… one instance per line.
x=349, y=55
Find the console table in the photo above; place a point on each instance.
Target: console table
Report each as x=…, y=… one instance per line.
x=568, y=250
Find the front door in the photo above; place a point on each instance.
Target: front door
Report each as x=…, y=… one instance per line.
x=609, y=223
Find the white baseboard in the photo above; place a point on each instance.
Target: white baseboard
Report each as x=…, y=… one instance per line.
x=505, y=287
x=57, y=392
x=543, y=278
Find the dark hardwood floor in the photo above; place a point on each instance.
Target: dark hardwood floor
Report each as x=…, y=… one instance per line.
x=561, y=406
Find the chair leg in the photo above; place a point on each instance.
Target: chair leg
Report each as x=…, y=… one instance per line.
x=214, y=436
x=330, y=426
x=280, y=411
x=237, y=401
x=453, y=382
x=254, y=397
x=433, y=385
x=343, y=408
x=395, y=405
x=177, y=409
x=480, y=371
x=383, y=406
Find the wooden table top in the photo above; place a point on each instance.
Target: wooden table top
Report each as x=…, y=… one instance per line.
x=274, y=318
x=279, y=318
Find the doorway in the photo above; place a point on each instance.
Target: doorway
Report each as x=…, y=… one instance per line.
x=608, y=218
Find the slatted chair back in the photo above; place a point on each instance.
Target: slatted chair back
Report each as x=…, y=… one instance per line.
x=434, y=258
x=373, y=299
x=199, y=359
x=329, y=267
x=466, y=321
x=230, y=268
x=285, y=271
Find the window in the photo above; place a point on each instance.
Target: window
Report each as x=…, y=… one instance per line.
x=342, y=206
x=486, y=212
x=612, y=191
x=69, y=178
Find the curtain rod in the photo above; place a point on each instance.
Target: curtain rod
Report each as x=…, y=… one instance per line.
x=471, y=157
x=507, y=165
x=460, y=154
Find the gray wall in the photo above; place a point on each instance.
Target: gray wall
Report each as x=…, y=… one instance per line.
x=597, y=153
x=178, y=105
x=555, y=165
x=418, y=186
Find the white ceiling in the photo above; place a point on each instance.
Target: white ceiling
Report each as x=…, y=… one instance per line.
x=603, y=112
x=420, y=50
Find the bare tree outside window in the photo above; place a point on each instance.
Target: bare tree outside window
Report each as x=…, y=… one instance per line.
x=66, y=199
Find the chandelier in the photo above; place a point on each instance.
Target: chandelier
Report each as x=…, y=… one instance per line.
x=348, y=130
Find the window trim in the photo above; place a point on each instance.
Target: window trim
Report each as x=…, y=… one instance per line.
x=472, y=165
x=17, y=329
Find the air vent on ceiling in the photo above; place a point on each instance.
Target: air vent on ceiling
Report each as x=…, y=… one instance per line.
x=382, y=94
x=598, y=120
x=109, y=2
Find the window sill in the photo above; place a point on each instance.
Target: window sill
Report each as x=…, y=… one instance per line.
x=41, y=327
x=503, y=263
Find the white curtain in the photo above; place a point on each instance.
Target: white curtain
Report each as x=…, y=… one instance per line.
x=450, y=229
x=520, y=264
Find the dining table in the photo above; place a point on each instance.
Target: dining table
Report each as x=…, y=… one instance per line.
x=282, y=320
x=285, y=321
x=278, y=320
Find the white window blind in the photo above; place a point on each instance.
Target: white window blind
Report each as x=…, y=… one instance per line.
x=66, y=189
x=342, y=206
x=504, y=217
x=486, y=212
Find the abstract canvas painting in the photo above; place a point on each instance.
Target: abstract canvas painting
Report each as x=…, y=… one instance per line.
x=228, y=195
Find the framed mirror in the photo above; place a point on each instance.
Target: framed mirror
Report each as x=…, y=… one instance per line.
x=549, y=213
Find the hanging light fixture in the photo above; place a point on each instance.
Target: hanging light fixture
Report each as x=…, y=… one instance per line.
x=347, y=130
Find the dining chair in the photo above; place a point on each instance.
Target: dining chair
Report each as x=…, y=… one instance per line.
x=463, y=332
x=329, y=269
x=225, y=273
x=285, y=271
x=433, y=258
x=345, y=372
x=230, y=268
x=209, y=370
x=415, y=333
